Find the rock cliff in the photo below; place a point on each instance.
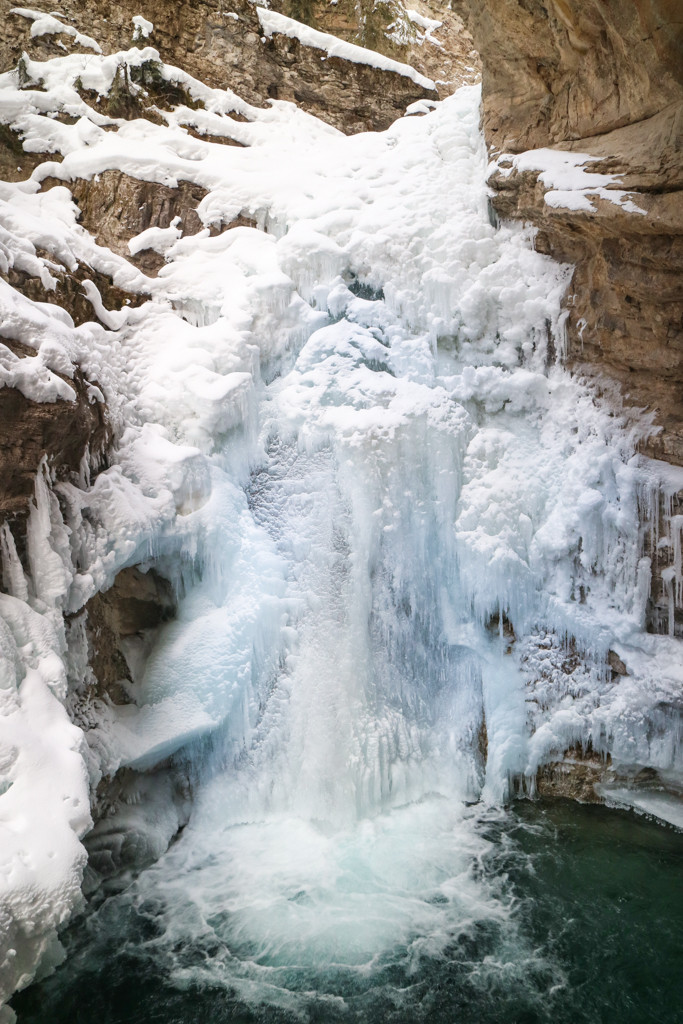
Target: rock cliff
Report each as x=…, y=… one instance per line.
x=582, y=109
x=602, y=78
x=225, y=47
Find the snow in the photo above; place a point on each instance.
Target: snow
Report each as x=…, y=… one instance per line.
x=272, y=23
x=143, y=27
x=430, y=25
x=569, y=185
x=49, y=24
x=341, y=437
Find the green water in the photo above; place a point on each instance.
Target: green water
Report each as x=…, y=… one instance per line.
x=594, y=933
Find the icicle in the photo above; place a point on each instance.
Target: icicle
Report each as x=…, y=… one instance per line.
x=47, y=543
x=643, y=587
x=12, y=570
x=676, y=530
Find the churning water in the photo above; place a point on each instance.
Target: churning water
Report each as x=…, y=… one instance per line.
x=428, y=913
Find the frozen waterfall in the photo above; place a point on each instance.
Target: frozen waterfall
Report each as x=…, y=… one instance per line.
x=404, y=539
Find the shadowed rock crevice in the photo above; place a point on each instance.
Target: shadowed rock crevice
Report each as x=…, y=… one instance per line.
x=135, y=603
x=64, y=432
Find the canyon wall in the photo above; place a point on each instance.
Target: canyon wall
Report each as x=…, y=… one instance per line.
x=224, y=46
x=602, y=78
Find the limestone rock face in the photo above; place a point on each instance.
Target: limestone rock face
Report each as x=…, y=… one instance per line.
x=555, y=71
x=115, y=207
x=227, y=49
x=573, y=778
x=63, y=432
x=603, y=79
x=406, y=32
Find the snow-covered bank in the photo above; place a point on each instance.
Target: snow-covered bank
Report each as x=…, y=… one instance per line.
x=343, y=437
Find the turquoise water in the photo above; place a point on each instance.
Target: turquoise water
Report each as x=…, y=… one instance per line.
x=589, y=929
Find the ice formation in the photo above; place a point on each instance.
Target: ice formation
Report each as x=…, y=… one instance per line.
x=344, y=436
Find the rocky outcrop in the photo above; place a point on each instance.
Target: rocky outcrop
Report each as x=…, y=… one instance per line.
x=136, y=602
x=603, y=79
x=555, y=71
x=227, y=49
x=431, y=37
x=115, y=207
x=135, y=813
x=586, y=777
x=68, y=290
x=574, y=777
x=15, y=163
x=62, y=432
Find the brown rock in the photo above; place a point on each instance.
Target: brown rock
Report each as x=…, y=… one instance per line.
x=15, y=163
x=136, y=602
x=616, y=664
x=68, y=292
x=574, y=777
x=115, y=207
x=225, y=52
x=555, y=71
x=603, y=78
x=63, y=431
x=449, y=59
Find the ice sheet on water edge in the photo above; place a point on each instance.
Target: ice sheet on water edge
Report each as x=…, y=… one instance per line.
x=662, y=806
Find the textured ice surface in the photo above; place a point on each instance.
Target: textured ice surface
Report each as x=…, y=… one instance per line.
x=342, y=435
